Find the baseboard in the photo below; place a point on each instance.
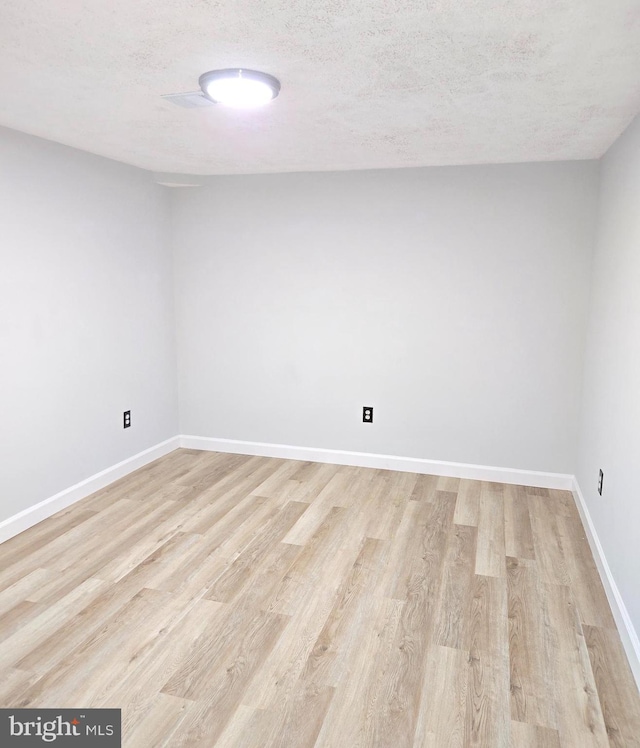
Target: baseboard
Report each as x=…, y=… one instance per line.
x=23, y=520
x=623, y=621
x=385, y=462
x=34, y=514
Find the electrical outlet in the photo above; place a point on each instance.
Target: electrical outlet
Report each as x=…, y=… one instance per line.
x=367, y=414
x=127, y=419
x=600, y=481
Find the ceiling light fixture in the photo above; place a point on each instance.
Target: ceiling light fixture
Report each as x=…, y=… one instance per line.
x=239, y=88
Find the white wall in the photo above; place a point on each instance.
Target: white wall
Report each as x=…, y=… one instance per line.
x=610, y=436
x=86, y=318
x=451, y=299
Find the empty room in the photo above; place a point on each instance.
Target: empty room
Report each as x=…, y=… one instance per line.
x=320, y=374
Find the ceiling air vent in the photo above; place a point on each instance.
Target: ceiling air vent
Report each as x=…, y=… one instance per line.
x=191, y=100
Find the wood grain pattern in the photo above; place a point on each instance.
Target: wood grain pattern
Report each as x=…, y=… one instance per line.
x=615, y=686
x=490, y=554
x=228, y=601
x=547, y=540
x=452, y=618
x=533, y=736
x=580, y=719
x=517, y=524
x=531, y=647
x=397, y=714
x=443, y=708
x=487, y=715
x=468, y=503
x=583, y=576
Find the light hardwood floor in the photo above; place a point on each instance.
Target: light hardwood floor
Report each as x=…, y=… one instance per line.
x=230, y=601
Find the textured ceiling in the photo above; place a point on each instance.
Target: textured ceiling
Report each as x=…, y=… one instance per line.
x=365, y=83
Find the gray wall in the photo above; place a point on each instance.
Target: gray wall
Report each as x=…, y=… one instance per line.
x=86, y=317
x=453, y=300
x=610, y=437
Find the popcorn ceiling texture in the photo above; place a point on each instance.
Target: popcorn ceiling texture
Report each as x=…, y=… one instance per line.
x=365, y=83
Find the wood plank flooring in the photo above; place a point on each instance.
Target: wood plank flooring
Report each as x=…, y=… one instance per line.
x=232, y=601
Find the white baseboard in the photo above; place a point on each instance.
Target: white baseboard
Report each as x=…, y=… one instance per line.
x=386, y=462
x=34, y=514
x=623, y=621
x=456, y=470
x=31, y=516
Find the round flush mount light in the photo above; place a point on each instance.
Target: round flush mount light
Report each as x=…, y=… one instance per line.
x=239, y=88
